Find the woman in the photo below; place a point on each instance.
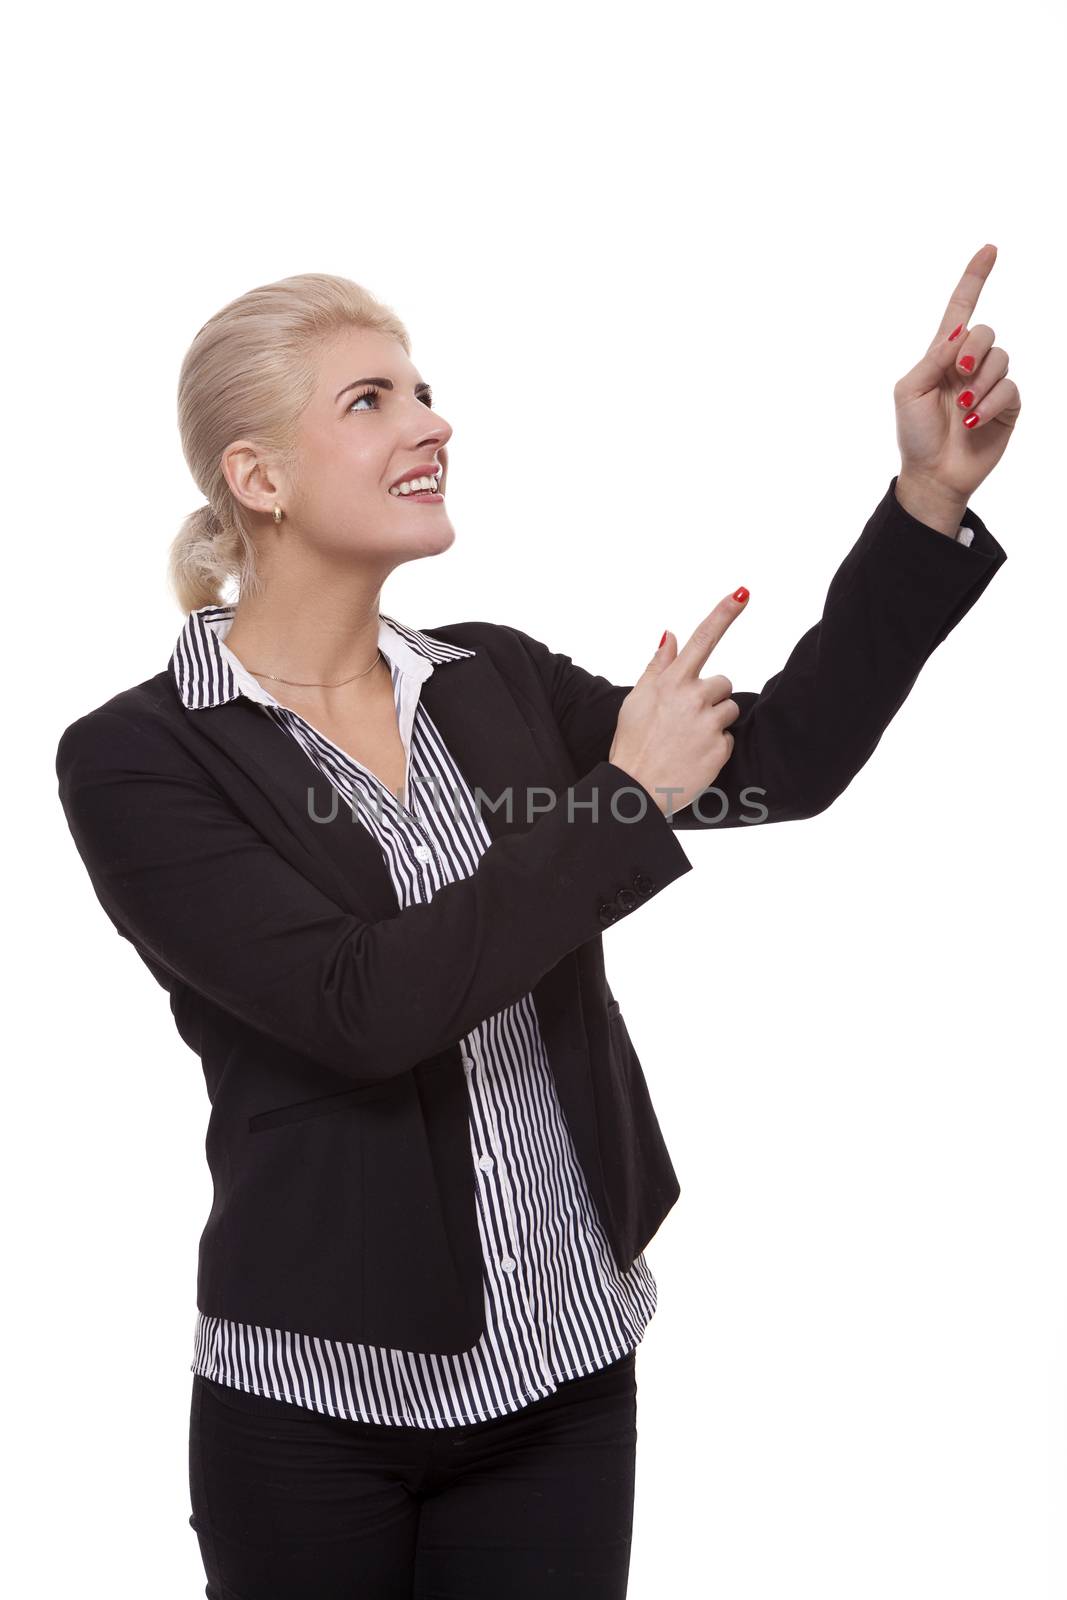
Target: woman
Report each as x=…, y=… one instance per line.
x=436, y=1164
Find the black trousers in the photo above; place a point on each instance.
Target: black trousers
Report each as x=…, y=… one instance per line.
x=289, y=1503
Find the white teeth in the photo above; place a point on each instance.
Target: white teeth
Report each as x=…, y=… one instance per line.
x=414, y=485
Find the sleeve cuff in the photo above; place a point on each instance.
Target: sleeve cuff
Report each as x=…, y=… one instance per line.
x=972, y=533
x=937, y=579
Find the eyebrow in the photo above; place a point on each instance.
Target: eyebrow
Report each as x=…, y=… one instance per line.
x=383, y=383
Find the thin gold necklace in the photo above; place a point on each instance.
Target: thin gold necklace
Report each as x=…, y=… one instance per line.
x=295, y=683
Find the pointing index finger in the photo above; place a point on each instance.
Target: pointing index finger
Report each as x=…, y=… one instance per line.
x=964, y=296
x=706, y=635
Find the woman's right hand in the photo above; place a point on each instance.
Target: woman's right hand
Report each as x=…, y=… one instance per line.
x=672, y=733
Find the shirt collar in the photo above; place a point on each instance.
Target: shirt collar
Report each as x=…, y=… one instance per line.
x=206, y=673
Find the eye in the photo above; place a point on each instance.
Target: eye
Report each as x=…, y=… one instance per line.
x=365, y=394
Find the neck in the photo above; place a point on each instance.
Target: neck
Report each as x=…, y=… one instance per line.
x=319, y=636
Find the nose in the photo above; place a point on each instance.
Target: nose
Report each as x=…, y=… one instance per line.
x=436, y=442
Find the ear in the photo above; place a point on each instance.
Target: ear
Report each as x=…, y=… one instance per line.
x=249, y=477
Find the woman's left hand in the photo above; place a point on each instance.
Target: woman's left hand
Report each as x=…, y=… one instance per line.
x=956, y=408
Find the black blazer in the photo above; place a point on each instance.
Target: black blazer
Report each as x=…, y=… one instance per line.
x=344, y=1192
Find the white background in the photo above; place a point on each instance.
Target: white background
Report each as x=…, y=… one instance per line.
x=672, y=260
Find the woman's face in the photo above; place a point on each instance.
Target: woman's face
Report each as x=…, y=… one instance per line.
x=370, y=421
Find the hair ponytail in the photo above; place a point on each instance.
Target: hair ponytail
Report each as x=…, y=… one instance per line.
x=205, y=557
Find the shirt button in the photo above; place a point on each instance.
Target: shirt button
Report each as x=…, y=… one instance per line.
x=486, y=1163
x=422, y=852
x=468, y=1062
x=508, y=1264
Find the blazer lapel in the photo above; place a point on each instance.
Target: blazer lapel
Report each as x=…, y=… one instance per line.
x=498, y=749
x=495, y=747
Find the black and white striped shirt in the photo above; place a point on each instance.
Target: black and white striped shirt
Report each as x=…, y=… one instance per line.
x=556, y=1304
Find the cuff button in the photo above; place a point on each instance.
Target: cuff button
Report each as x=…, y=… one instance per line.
x=626, y=899
x=642, y=884
x=609, y=913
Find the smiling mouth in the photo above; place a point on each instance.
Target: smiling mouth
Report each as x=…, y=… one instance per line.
x=398, y=492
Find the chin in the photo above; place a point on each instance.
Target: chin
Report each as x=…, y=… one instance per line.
x=441, y=537
x=430, y=541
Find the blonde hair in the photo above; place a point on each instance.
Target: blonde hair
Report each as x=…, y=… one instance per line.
x=250, y=374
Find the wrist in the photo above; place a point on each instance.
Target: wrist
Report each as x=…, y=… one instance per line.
x=930, y=503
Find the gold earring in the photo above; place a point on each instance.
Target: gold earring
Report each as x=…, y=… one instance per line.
x=277, y=514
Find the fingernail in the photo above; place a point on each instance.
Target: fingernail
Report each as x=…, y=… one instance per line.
x=955, y=333
x=967, y=363
x=740, y=594
x=966, y=399
x=971, y=421
x=660, y=645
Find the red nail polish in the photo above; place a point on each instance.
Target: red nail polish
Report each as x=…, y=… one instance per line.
x=966, y=399
x=971, y=421
x=740, y=594
x=660, y=645
x=967, y=363
x=955, y=333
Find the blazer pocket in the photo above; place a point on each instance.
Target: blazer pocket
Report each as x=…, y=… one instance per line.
x=302, y=1110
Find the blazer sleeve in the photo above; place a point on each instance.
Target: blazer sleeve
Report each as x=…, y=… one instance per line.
x=208, y=901
x=800, y=740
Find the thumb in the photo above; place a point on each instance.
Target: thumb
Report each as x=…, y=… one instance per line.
x=928, y=373
x=665, y=654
